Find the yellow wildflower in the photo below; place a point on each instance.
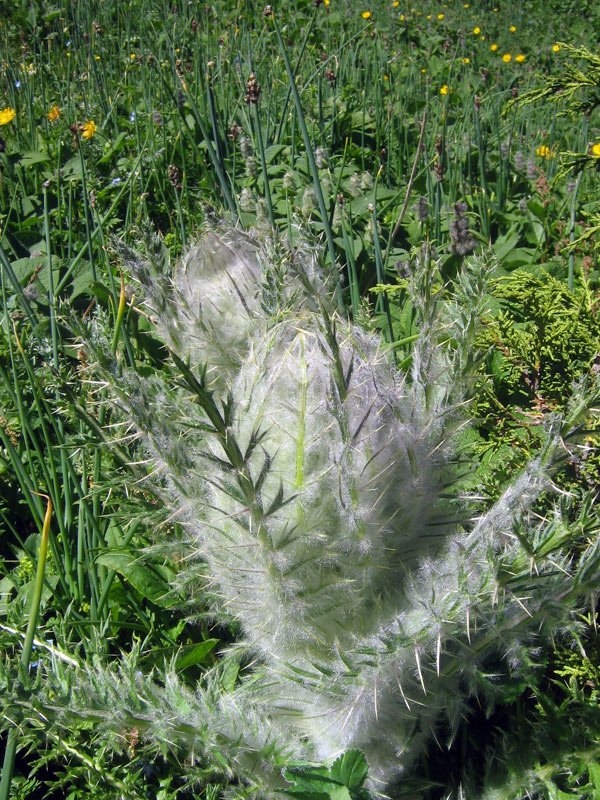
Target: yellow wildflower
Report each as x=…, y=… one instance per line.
x=440, y=16
x=7, y=115
x=493, y=47
x=444, y=89
x=544, y=151
x=512, y=29
x=466, y=60
x=325, y=3
x=88, y=129
x=506, y=57
x=477, y=31
x=366, y=15
x=401, y=17
x=520, y=58
x=396, y=3
x=428, y=16
x=53, y=113
x=556, y=48
x=596, y=149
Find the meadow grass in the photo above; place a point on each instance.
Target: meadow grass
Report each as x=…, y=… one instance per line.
x=395, y=135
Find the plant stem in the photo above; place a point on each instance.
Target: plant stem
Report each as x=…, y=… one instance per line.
x=11, y=745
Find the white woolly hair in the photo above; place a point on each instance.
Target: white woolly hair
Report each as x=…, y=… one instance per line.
x=226, y=287
x=371, y=613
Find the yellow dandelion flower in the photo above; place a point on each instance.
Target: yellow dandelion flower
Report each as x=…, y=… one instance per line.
x=596, y=149
x=7, y=115
x=555, y=48
x=366, y=15
x=520, y=58
x=512, y=29
x=326, y=3
x=53, y=113
x=88, y=129
x=401, y=17
x=428, y=16
x=132, y=56
x=466, y=5
x=477, y=31
x=493, y=47
x=466, y=60
x=423, y=71
x=444, y=89
x=544, y=151
x=440, y=16
x=395, y=3
x=506, y=57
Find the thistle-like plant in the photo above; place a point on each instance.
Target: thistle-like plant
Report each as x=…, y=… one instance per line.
x=316, y=486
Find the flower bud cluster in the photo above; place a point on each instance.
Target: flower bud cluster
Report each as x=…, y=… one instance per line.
x=462, y=240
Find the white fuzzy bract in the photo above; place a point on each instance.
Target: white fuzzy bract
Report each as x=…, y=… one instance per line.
x=312, y=478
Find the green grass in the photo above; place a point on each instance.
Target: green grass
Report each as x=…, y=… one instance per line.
x=361, y=120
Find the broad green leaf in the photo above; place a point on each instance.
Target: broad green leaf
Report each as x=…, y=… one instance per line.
x=537, y=209
x=305, y=794
x=273, y=151
x=350, y=768
x=340, y=793
x=72, y=170
x=114, y=148
x=195, y=654
x=594, y=770
x=25, y=267
x=229, y=674
x=82, y=282
x=309, y=780
x=31, y=157
x=150, y=581
x=506, y=243
x=7, y=585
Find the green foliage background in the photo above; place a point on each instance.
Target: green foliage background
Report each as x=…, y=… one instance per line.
x=363, y=110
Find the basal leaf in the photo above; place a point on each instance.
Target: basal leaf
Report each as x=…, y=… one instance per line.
x=191, y=655
x=150, y=581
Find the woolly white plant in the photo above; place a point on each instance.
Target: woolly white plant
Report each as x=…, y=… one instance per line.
x=312, y=481
x=223, y=289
